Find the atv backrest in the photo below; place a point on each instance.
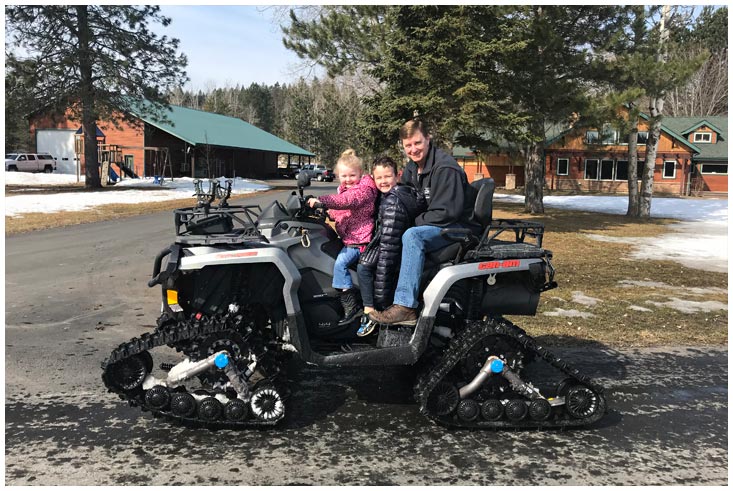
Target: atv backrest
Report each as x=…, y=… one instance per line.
x=482, y=208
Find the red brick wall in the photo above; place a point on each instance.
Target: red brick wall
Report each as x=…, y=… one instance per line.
x=715, y=183
x=496, y=167
x=573, y=146
x=124, y=136
x=575, y=180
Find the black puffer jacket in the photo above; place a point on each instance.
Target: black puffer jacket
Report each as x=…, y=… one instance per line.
x=397, y=211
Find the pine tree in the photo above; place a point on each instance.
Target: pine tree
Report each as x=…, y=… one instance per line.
x=97, y=60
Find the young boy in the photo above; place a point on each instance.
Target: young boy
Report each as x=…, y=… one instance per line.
x=378, y=265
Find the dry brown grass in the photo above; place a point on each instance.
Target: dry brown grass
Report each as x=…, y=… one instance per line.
x=596, y=269
x=593, y=268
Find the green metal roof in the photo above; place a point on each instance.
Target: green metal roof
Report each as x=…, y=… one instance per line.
x=708, y=151
x=205, y=128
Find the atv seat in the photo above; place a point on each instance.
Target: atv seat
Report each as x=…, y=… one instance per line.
x=483, y=193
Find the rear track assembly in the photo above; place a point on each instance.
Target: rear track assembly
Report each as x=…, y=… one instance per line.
x=444, y=396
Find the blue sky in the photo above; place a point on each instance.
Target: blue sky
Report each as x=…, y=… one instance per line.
x=228, y=45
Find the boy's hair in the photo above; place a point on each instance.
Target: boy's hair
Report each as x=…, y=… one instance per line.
x=350, y=159
x=385, y=161
x=411, y=127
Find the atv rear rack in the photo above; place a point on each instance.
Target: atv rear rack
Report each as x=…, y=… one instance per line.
x=202, y=225
x=491, y=247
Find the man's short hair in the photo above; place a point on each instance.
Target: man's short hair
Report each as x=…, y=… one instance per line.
x=411, y=127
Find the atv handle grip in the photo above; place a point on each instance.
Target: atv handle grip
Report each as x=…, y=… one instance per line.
x=156, y=266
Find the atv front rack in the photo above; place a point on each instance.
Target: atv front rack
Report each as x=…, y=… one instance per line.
x=202, y=225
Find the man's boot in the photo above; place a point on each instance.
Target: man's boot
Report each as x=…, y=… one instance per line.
x=352, y=306
x=396, y=315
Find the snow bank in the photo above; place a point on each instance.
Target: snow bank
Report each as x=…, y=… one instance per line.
x=127, y=191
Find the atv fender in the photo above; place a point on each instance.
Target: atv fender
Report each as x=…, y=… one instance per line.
x=446, y=277
x=210, y=256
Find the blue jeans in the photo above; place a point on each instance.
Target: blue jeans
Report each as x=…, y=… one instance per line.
x=366, y=284
x=416, y=242
x=341, y=275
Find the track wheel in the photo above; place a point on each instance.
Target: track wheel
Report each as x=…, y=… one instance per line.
x=516, y=409
x=564, y=386
x=183, y=404
x=492, y=410
x=539, y=409
x=444, y=399
x=468, y=410
x=128, y=374
x=210, y=409
x=235, y=410
x=581, y=402
x=158, y=397
x=266, y=404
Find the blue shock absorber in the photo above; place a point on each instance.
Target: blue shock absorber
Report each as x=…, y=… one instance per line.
x=221, y=360
x=497, y=366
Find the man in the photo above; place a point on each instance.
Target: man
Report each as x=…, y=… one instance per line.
x=438, y=177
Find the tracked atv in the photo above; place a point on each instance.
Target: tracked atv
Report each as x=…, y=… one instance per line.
x=244, y=288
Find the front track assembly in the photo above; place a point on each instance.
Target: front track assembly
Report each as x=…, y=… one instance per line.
x=497, y=396
x=228, y=397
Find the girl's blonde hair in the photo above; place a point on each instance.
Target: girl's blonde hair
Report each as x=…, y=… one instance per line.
x=350, y=159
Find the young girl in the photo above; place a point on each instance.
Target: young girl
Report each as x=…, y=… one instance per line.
x=379, y=264
x=353, y=211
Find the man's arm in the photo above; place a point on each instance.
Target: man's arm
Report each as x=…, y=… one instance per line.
x=446, y=199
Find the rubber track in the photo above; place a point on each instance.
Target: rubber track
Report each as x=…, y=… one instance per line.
x=171, y=334
x=474, y=332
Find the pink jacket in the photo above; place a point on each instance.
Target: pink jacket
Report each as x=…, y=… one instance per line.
x=353, y=210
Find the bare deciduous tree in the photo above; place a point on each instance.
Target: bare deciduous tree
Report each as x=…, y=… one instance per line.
x=707, y=91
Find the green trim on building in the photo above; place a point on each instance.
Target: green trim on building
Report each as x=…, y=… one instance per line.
x=204, y=128
x=708, y=151
x=704, y=122
x=674, y=134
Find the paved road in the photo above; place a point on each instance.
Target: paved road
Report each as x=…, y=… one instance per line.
x=73, y=294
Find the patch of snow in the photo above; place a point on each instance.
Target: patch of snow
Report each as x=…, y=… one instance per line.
x=31, y=179
x=127, y=191
x=689, y=306
x=639, y=308
x=680, y=208
x=558, y=312
x=688, y=247
x=700, y=243
x=581, y=298
x=680, y=289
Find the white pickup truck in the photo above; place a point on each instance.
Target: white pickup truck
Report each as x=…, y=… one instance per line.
x=30, y=162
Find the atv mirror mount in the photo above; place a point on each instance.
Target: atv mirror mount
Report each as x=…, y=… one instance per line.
x=304, y=180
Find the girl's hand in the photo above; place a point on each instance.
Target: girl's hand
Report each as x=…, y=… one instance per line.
x=312, y=202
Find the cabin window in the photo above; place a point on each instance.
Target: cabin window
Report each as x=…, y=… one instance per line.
x=703, y=137
x=562, y=167
x=622, y=170
x=642, y=137
x=592, y=137
x=669, y=169
x=591, y=169
x=609, y=135
x=714, y=168
x=607, y=170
